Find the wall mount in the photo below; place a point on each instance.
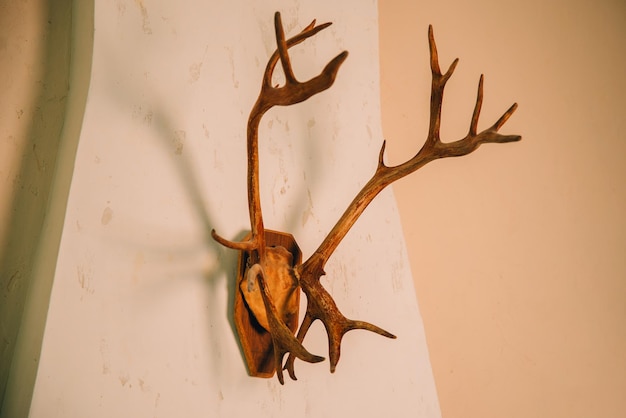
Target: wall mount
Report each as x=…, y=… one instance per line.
x=270, y=272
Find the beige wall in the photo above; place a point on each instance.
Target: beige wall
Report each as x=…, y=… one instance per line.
x=517, y=251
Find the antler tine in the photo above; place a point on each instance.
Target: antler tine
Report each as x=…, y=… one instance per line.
x=242, y=246
x=283, y=340
x=439, y=81
x=320, y=304
x=477, y=107
x=282, y=50
x=306, y=33
x=294, y=91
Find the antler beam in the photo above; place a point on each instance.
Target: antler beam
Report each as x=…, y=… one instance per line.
x=291, y=93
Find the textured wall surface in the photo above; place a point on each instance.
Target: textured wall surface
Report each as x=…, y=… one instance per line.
x=35, y=65
x=138, y=322
x=517, y=251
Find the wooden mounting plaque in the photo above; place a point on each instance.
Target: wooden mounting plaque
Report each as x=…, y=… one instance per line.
x=256, y=342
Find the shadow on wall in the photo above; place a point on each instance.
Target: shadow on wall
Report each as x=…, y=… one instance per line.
x=166, y=132
x=35, y=167
x=37, y=201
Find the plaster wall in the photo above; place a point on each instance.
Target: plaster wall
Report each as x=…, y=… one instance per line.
x=138, y=320
x=517, y=251
x=521, y=281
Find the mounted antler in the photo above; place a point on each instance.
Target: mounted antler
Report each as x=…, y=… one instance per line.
x=263, y=259
x=291, y=93
x=320, y=303
x=267, y=314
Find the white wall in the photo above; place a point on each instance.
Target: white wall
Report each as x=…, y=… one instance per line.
x=518, y=250
x=138, y=322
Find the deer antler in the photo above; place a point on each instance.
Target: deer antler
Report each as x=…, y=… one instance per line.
x=266, y=266
x=320, y=304
x=292, y=92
